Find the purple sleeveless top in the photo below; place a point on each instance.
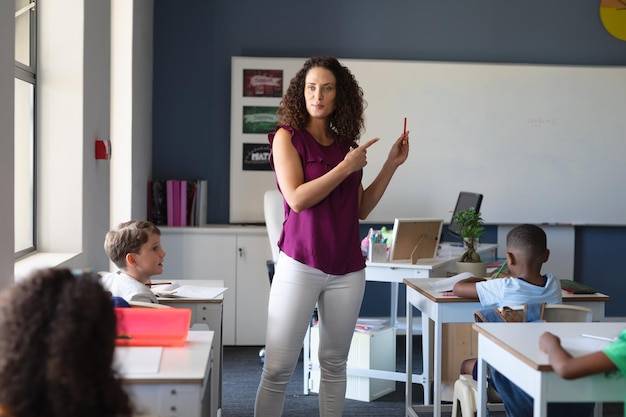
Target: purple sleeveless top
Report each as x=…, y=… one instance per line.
x=325, y=236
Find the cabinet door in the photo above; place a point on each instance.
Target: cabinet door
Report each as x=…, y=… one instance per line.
x=252, y=289
x=205, y=256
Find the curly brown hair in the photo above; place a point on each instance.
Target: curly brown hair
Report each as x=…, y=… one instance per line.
x=57, y=339
x=347, y=120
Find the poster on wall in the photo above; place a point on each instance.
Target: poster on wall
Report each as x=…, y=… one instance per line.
x=256, y=157
x=262, y=83
x=259, y=119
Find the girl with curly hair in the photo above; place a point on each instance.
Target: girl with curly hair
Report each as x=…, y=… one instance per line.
x=319, y=167
x=57, y=338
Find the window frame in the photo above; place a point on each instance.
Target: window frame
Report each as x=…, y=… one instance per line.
x=28, y=74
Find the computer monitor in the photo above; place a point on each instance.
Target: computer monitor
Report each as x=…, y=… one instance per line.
x=465, y=201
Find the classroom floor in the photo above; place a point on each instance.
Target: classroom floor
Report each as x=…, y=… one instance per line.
x=242, y=372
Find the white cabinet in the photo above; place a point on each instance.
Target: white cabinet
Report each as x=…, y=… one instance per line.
x=235, y=255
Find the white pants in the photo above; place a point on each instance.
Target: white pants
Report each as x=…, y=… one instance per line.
x=295, y=290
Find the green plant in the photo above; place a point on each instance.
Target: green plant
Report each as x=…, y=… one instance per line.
x=471, y=229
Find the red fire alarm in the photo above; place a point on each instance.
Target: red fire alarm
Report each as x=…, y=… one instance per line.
x=103, y=149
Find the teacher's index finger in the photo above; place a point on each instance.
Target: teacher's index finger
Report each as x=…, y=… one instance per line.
x=369, y=143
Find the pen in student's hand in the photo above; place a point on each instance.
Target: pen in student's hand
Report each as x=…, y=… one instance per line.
x=150, y=284
x=500, y=270
x=606, y=339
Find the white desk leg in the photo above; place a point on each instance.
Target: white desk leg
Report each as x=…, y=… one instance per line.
x=306, y=360
x=409, y=357
x=427, y=353
x=437, y=370
x=541, y=407
x=481, y=407
x=394, y=305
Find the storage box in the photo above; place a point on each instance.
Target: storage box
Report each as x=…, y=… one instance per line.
x=373, y=350
x=152, y=326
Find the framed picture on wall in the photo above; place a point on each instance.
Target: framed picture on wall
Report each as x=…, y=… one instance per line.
x=259, y=119
x=256, y=157
x=262, y=83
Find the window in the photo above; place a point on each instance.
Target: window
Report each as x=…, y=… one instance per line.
x=25, y=135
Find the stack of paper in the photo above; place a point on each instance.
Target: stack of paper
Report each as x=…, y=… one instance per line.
x=369, y=325
x=187, y=291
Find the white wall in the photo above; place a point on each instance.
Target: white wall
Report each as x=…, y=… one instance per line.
x=7, y=73
x=76, y=108
x=143, y=19
x=74, y=111
x=60, y=126
x=131, y=117
x=96, y=119
x=131, y=108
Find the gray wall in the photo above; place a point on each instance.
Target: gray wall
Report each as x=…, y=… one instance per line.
x=193, y=46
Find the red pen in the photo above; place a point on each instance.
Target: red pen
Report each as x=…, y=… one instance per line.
x=404, y=134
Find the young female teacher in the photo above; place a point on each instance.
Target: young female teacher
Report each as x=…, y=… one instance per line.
x=319, y=168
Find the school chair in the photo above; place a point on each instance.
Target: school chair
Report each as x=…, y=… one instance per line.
x=466, y=388
x=273, y=211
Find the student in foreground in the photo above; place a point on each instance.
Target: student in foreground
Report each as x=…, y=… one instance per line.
x=612, y=358
x=319, y=168
x=57, y=338
x=135, y=248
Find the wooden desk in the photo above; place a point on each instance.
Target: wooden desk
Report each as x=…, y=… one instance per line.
x=182, y=385
x=513, y=349
x=439, y=309
x=210, y=312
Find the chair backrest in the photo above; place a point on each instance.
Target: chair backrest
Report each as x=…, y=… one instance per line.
x=566, y=313
x=563, y=313
x=273, y=212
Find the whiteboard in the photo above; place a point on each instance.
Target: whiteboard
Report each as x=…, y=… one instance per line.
x=543, y=143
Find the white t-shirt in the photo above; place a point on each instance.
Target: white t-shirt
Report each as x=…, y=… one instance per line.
x=122, y=285
x=500, y=292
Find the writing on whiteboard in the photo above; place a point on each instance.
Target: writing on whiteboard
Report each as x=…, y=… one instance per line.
x=541, y=122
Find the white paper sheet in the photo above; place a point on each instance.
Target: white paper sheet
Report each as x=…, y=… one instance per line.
x=132, y=360
x=196, y=291
x=578, y=346
x=448, y=283
x=174, y=290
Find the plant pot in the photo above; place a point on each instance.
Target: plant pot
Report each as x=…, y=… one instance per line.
x=477, y=269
